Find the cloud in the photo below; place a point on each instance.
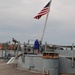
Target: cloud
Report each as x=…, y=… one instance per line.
x=16, y=20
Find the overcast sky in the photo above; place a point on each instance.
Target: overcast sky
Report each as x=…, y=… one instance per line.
x=17, y=21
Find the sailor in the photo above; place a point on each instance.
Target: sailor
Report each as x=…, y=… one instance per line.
x=36, y=46
x=15, y=41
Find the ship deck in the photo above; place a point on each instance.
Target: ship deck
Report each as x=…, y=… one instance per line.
x=13, y=70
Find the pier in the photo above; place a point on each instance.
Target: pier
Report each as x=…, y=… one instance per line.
x=12, y=69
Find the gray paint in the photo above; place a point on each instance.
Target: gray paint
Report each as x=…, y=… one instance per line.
x=51, y=65
x=65, y=65
x=36, y=62
x=32, y=62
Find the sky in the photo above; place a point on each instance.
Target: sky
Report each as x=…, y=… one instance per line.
x=17, y=21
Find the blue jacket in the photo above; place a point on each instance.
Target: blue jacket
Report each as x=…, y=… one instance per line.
x=36, y=44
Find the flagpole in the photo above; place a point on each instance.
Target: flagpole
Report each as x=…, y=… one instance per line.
x=45, y=24
x=44, y=27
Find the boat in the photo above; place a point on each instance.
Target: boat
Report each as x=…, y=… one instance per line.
x=51, y=59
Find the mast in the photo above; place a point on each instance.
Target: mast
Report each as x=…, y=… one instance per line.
x=46, y=22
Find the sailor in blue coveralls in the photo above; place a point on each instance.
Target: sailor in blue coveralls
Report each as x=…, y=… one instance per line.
x=36, y=46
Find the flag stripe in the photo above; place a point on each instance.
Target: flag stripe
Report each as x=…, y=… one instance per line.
x=43, y=12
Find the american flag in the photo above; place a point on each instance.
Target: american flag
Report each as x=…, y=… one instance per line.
x=44, y=11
